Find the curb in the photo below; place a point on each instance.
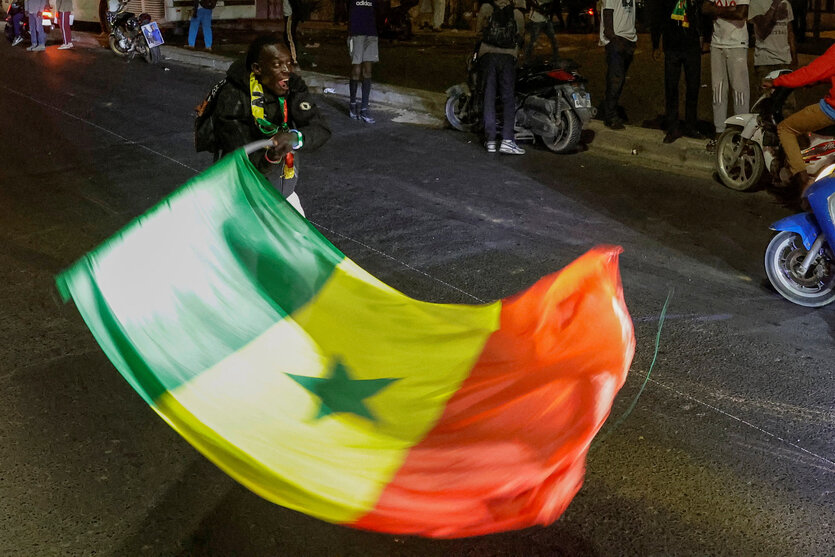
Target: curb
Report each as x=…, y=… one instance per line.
x=641, y=145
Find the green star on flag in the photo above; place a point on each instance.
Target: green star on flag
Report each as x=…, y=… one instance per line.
x=339, y=393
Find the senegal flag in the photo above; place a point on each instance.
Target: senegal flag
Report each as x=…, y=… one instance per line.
x=324, y=390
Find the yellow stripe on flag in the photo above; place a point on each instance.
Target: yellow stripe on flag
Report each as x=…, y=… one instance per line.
x=268, y=431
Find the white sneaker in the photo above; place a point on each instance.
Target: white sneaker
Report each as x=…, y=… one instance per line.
x=509, y=147
x=491, y=146
x=17, y=40
x=39, y=48
x=65, y=46
x=31, y=48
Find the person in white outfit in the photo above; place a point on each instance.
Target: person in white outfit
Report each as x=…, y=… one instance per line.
x=728, y=58
x=34, y=9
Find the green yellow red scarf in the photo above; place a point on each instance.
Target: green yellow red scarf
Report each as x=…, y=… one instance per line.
x=256, y=102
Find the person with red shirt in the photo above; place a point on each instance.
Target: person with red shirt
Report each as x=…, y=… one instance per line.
x=809, y=119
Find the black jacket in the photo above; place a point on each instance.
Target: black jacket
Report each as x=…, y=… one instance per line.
x=675, y=36
x=235, y=126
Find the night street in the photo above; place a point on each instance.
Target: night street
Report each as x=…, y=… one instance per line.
x=730, y=449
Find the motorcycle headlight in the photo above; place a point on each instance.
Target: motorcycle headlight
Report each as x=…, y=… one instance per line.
x=131, y=24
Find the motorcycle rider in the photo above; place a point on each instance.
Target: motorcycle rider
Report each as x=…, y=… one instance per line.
x=809, y=119
x=263, y=99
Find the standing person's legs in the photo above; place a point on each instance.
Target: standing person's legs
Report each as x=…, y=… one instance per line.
x=693, y=80
x=64, y=22
x=719, y=84
x=206, y=26
x=673, y=60
x=369, y=56
x=489, y=76
x=507, y=85
x=533, y=34
x=438, y=11
x=738, y=73
x=548, y=27
x=36, y=33
x=618, y=57
x=193, y=26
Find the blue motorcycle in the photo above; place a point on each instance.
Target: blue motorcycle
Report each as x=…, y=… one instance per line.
x=799, y=260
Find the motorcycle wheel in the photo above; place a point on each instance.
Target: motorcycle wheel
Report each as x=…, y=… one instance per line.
x=783, y=256
x=152, y=55
x=570, y=136
x=456, y=113
x=742, y=172
x=114, y=46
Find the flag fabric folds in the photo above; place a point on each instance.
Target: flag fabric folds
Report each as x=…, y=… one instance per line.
x=324, y=390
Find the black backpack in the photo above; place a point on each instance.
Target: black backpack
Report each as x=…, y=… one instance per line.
x=204, y=125
x=501, y=30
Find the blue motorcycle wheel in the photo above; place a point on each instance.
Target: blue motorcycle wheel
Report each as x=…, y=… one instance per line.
x=783, y=257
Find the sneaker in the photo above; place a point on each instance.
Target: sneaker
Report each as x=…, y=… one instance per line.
x=366, y=117
x=491, y=146
x=17, y=40
x=65, y=46
x=31, y=48
x=509, y=147
x=354, y=111
x=39, y=48
x=711, y=145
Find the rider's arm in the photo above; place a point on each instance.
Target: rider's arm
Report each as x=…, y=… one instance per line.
x=821, y=68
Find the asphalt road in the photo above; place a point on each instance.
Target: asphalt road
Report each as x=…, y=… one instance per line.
x=730, y=449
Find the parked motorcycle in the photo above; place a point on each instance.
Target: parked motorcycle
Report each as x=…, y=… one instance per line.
x=799, y=260
x=749, y=146
x=551, y=103
x=131, y=34
x=17, y=7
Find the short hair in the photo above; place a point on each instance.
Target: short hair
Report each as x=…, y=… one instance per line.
x=257, y=45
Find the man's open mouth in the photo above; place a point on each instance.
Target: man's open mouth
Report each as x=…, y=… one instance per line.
x=283, y=83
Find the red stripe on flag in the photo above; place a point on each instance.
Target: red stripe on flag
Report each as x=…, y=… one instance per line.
x=509, y=450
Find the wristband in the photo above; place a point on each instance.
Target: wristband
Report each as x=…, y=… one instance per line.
x=299, y=138
x=268, y=159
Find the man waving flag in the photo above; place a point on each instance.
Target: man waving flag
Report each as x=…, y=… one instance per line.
x=324, y=390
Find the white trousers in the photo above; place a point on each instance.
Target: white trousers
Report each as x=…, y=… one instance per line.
x=728, y=66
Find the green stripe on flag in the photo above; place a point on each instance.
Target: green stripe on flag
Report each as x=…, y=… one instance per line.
x=200, y=275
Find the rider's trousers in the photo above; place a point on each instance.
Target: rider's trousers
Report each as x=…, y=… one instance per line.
x=811, y=118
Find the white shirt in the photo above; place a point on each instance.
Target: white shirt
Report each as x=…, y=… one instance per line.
x=623, y=19
x=774, y=49
x=729, y=33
